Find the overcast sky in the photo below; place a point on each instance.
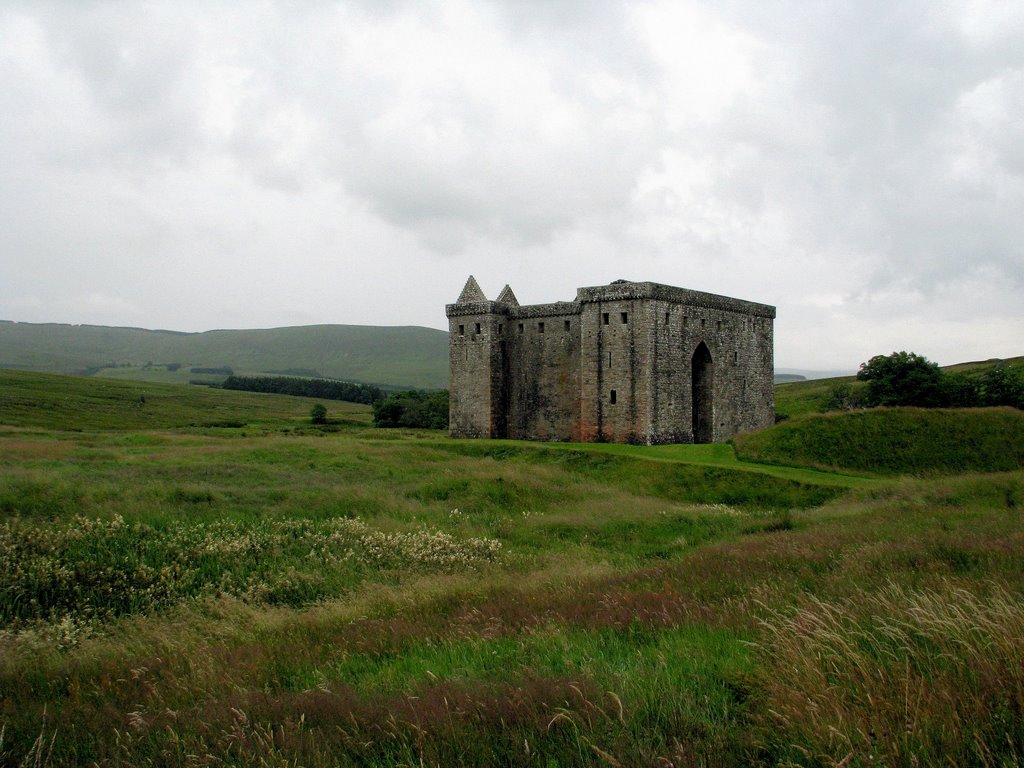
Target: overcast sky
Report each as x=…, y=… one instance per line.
x=191, y=166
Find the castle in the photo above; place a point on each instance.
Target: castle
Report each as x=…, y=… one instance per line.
x=626, y=363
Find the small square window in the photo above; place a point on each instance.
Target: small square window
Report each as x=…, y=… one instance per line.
x=567, y=325
x=625, y=318
x=478, y=327
x=611, y=397
x=462, y=330
x=604, y=318
x=540, y=327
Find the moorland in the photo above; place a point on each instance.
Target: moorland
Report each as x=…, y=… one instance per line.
x=201, y=577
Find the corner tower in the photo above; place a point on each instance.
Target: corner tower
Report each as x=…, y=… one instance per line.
x=478, y=387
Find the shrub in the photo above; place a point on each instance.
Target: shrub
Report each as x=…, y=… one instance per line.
x=318, y=414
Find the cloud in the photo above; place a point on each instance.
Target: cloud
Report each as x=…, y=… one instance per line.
x=858, y=164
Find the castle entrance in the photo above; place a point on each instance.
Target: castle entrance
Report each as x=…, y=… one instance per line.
x=702, y=395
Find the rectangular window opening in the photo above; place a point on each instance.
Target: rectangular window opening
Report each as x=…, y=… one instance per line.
x=625, y=318
x=520, y=327
x=666, y=318
x=604, y=318
x=686, y=321
x=719, y=325
x=540, y=327
x=478, y=327
x=703, y=322
x=462, y=330
x=611, y=398
x=567, y=325
x=609, y=359
x=500, y=328
x=735, y=357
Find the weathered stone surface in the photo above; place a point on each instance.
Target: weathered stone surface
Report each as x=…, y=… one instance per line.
x=507, y=297
x=471, y=292
x=626, y=362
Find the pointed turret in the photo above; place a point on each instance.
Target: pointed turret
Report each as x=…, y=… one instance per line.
x=507, y=297
x=471, y=293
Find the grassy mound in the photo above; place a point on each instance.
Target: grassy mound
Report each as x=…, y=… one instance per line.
x=895, y=441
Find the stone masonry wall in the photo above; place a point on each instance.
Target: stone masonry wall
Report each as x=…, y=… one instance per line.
x=613, y=365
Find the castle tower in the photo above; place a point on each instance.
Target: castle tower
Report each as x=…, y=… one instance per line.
x=476, y=351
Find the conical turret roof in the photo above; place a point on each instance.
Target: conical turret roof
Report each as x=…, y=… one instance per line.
x=471, y=293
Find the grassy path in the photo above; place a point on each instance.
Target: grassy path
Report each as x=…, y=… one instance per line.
x=720, y=455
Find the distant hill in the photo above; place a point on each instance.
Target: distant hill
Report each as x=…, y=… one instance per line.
x=408, y=356
x=788, y=378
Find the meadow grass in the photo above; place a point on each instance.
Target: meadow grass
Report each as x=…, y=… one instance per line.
x=894, y=440
x=186, y=595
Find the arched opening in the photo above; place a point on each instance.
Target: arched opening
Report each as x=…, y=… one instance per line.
x=702, y=395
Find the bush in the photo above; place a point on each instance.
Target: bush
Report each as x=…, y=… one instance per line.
x=413, y=409
x=318, y=414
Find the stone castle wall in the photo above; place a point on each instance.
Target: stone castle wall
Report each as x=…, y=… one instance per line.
x=624, y=362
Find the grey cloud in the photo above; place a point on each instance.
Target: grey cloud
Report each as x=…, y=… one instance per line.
x=855, y=161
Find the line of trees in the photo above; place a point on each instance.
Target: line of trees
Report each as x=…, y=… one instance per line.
x=325, y=389
x=906, y=378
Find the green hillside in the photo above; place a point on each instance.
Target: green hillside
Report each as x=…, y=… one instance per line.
x=407, y=356
x=894, y=441
x=29, y=399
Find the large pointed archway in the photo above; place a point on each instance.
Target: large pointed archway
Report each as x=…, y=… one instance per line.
x=702, y=394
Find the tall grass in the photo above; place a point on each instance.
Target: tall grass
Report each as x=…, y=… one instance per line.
x=208, y=597
x=91, y=568
x=897, y=677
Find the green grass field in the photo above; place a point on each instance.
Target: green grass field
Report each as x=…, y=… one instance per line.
x=199, y=577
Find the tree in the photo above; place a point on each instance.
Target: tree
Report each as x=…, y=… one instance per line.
x=1000, y=387
x=422, y=410
x=903, y=378
x=318, y=414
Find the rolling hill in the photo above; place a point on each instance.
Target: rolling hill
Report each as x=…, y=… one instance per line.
x=408, y=356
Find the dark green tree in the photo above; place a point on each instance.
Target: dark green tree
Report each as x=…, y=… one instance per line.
x=999, y=386
x=413, y=409
x=903, y=378
x=318, y=414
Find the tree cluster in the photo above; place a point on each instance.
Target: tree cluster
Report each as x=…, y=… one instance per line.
x=414, y=409
x=906, y=378
x=325, y=389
